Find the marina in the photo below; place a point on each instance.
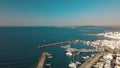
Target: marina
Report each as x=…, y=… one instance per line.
x=101, y=47
x=71, y=52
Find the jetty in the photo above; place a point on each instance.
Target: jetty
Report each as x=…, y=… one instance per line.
x=42, y=60
x=59, y=43
x=53, y=44
x=93, y=35
x=91, y=61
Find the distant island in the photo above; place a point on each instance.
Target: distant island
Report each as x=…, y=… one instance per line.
x=90, y=26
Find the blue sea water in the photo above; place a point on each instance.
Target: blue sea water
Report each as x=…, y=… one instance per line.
x=18, y=45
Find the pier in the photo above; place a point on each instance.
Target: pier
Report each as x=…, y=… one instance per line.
x=42, y=60
x=59, y=43
x=91, y=61
x=78, y=51
x=53, y=44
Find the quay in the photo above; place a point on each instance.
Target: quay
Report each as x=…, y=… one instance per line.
x=87, y=51
x=42, y=60
x=78, y=51
x=91, y=61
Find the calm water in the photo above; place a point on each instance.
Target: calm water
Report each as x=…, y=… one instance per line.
x=18, y=45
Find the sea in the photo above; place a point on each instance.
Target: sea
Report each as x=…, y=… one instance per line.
x=19, y=45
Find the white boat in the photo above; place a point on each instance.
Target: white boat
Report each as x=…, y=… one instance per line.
x=50, y=57
x=67, y=50
x=92, y=55
x=48, y=64
x=69, y=54
x=86, y=57
x=78, y=63
x=72, y=65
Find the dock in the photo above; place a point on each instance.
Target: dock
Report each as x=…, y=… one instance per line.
x=42, y=60
x=87, y=50
x=91, y=61
x=78, y=51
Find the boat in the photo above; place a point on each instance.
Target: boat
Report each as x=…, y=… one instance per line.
x=72, y=65
x=93, y=55
x=69, y=54
x=50, y=57
x=86, y=57
x=48, y=64
x=78, y=63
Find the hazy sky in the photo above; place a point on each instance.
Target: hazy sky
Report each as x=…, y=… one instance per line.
x=59, y=12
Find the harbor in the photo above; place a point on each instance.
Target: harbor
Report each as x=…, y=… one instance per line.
x=71, y=52
x=105, y=50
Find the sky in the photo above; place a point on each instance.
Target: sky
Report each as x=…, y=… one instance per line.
x=59, y=12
